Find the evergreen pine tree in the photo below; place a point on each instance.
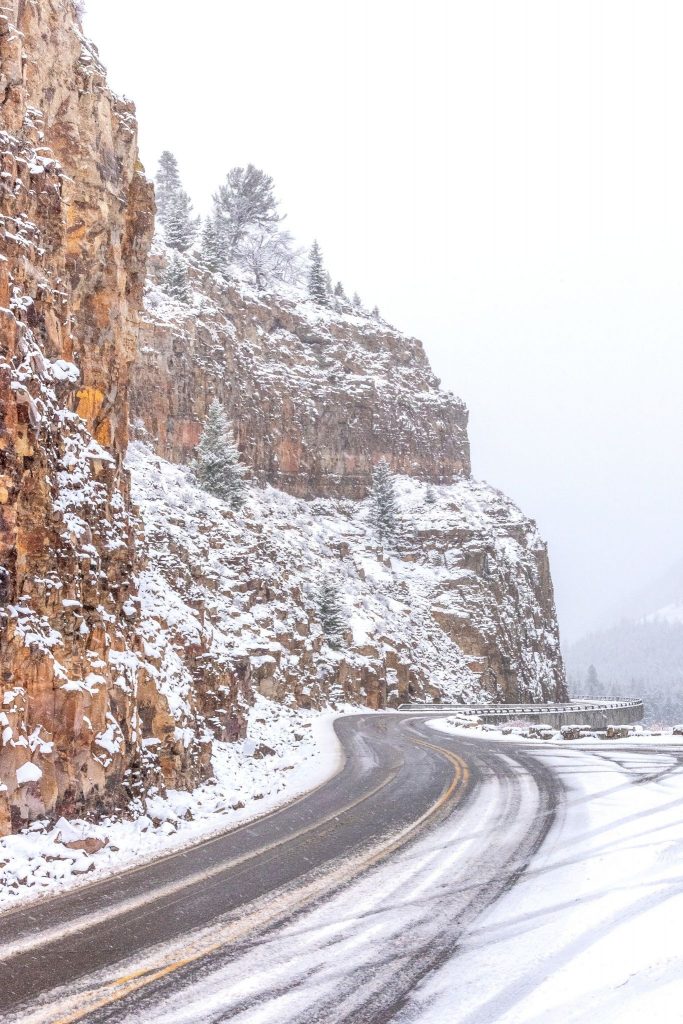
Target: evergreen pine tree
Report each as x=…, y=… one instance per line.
x=355, y=301
x=331, y=610
x=317, y=284
x=167, y=182
x=375, y=312
x=592, y=681
x=180, y=227
x=175, y=281
x=339, y=291
x=246, y=200
x=217, y=467
x=212, y=252
x=430, y=495
x=174, y=207
x=384, y=501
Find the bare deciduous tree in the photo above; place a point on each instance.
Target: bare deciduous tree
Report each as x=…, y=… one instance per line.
x=268, y=256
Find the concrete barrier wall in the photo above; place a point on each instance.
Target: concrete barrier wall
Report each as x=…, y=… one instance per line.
x=592, y=717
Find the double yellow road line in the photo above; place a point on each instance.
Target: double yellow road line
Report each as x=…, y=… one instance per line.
x=265, y=912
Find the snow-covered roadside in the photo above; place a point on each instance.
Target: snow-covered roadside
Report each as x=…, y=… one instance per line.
x=591, y=931
x=511, y=733
x=249, y=781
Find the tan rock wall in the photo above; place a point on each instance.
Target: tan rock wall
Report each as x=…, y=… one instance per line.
x=76, y=217
x=315, y=404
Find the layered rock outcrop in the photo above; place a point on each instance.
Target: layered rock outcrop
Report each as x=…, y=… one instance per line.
x=317, y=397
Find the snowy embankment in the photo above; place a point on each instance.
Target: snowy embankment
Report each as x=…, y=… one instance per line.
x=255, y=573
x=519, y=731
x=286, y=753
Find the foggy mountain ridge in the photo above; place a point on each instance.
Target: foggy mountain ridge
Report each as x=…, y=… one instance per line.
x=641, y=653
x=655, y=599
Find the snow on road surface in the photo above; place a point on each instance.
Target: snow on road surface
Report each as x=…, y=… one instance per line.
x=589, y=933
x=364, y=948
x=592, y=932
x=552, y=895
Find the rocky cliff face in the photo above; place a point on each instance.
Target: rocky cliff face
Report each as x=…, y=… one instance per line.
x=133, y=633
x=459, y=608
x=76, y=218
x=317, y=397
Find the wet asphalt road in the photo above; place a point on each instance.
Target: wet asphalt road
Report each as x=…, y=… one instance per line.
x=398, y=780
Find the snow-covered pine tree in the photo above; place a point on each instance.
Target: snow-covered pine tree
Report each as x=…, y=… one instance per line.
x=317, y=282
x=217, y=467
x=174, y=207
x=212, y=251
x=375, y=312
x=175, y=281
x=384, y=501
x=331, y=610
x=246, y=200
x=430, y=495
x=167, y=182
x=339, y=291
x=180, y=227
x=356, y=303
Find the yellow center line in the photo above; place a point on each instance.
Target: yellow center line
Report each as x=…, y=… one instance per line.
x=128, y=984
x=134, y=903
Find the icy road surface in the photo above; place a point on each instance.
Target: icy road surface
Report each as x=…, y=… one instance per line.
x=438, y=878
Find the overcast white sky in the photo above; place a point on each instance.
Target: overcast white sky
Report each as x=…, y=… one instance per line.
x=505, y=179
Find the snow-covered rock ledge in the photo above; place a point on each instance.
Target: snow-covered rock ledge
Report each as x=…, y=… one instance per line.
x=288, y=751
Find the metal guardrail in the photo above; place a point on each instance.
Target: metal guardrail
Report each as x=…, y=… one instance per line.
x=484, y=710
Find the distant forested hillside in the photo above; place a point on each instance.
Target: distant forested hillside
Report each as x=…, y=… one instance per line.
x=643, y=658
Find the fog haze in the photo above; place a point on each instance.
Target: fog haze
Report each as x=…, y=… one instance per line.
x=505, y=180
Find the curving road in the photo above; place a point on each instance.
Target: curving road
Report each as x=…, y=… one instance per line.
x=416, y=835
